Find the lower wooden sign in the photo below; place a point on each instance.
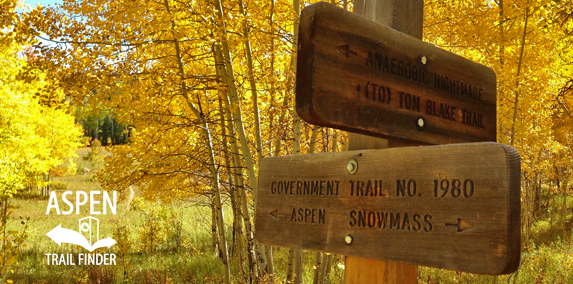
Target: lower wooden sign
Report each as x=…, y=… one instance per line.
x=454, y=206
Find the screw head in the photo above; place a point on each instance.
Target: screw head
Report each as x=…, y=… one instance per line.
x=352, y=166
x=424, y=60
x=348, y=239
x=420, y=123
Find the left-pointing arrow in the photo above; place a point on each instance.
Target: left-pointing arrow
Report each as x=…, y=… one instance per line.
x=275, y=214
x=346, y=49
x=62, y=235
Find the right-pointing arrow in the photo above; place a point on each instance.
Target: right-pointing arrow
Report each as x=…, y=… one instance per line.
x=275, y=214
x=462, y=225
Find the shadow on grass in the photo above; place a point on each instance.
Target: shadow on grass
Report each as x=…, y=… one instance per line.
x=544, y=233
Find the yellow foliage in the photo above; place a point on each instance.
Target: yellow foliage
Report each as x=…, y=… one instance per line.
x=10, y=241
x=531, y=56
x=153, y=64
x=35, y=138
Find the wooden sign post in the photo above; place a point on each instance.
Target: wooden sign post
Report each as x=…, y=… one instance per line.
x=451, y=206
x=409, y=20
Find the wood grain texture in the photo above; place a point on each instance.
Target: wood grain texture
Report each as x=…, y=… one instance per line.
x=373, y=271
x=356, y=75
x=394, y=207
x=405, y=16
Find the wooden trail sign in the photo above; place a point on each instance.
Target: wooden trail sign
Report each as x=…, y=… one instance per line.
x=356, y=75
x=452, y=206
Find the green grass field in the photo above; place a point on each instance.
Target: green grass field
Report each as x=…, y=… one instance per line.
x=172, y=243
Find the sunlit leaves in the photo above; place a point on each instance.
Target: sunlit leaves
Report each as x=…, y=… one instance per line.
x=122, y=55
x=35, y=135
x=493, y=35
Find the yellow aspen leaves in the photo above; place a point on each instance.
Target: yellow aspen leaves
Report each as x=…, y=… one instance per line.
x=36, y=134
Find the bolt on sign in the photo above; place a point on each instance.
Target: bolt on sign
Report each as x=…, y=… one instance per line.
x=357, y=75
x=451, y=206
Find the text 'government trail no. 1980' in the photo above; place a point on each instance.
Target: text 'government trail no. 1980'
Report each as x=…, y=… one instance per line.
x=450, y=206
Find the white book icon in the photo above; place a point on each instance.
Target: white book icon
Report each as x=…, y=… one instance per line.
x=62, y=235
x=89, y=228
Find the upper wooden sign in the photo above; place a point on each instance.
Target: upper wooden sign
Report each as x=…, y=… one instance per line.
x=357, y=75
x=452, y=206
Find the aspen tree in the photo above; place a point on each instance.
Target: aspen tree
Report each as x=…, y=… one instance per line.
x=237, y=173
x=520, y=61
x=295, y=255
x=214, y=241
x=254, y=95
x=233, y=191
x=229, y=79
x=214, y=172
x=252, y=83
x=219, y=208
x=317, y=267
x=35, y=136
x=227, y=75
x=271, y=88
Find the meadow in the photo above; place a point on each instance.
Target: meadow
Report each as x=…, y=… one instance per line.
x=172, y=243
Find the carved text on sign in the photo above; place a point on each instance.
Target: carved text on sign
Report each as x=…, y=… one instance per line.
x=452, y=206
x=358, y=76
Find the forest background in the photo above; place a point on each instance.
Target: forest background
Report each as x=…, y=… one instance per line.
x=204, y=90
